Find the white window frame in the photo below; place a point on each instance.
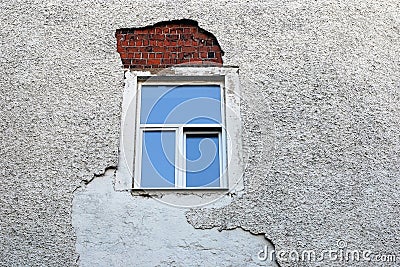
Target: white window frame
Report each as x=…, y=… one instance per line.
x=180, y=136
x=228, y=76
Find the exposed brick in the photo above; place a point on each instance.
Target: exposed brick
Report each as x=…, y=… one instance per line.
x=123, y=55
x=158, y=37
x=160, y=49
x=166, y=44
x=188, y=49
x=174, y=49
x=139, y=61
x=126, y=61
x=154, y=61
x=209, y=43
x=124, y=43
x=172, y=37
x=132, y=49
x=186, y=36
x=166, y=61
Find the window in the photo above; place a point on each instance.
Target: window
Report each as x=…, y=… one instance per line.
x=181, y=130
x=181, y=135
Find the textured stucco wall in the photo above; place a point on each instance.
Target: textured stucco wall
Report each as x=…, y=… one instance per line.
x=321, y=81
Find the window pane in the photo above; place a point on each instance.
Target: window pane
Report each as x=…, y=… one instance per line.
x=190, y=104
x=158, y=159
x=202, y=160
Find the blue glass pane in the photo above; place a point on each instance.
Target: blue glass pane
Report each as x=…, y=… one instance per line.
x=158, y=159
x=186, y=104
x=202, y=160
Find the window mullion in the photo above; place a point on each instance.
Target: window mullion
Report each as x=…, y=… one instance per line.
x=180, y=159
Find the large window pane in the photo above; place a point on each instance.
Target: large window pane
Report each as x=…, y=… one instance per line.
x=185, y=104
x=158, y=159
x=202, y=160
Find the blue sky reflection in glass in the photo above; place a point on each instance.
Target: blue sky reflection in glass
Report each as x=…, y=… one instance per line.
x=183, y=104
x=158, y=159
x=202, y=160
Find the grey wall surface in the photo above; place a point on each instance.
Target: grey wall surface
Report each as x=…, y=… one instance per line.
x=321, y=108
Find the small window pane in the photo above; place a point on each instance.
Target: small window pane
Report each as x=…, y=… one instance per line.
x=185, y=104
x=202, y=160
x=158, y=159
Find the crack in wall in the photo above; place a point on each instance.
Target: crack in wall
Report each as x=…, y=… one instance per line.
x=85, y=182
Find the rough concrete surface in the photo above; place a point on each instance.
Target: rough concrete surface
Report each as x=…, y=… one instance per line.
x=321, y=80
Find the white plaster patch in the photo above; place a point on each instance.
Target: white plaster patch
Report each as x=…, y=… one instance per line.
x=115, y=229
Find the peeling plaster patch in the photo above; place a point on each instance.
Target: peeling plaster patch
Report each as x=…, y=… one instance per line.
x=115, y=229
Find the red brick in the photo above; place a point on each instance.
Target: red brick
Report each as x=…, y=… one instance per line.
x=186, y=36
x=167, y=45
x=166, y=61
x=143, y=49
x=174, y=49
x=158, y=37
x=154, y=61
x=124, y=55
x=215, y=48
x=188, y=43
x=170, y=43
x=126, y=61
x=139, y=61
x=158, y=49
x=204, y=49
x=203, y=54
x=130, y=36
x=188, y=49
x=172, y=37
x=124, y=43
x=209, y=42
x=118, y=36
x=132, y=49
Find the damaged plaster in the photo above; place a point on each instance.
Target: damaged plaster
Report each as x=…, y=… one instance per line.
x=115, y=229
